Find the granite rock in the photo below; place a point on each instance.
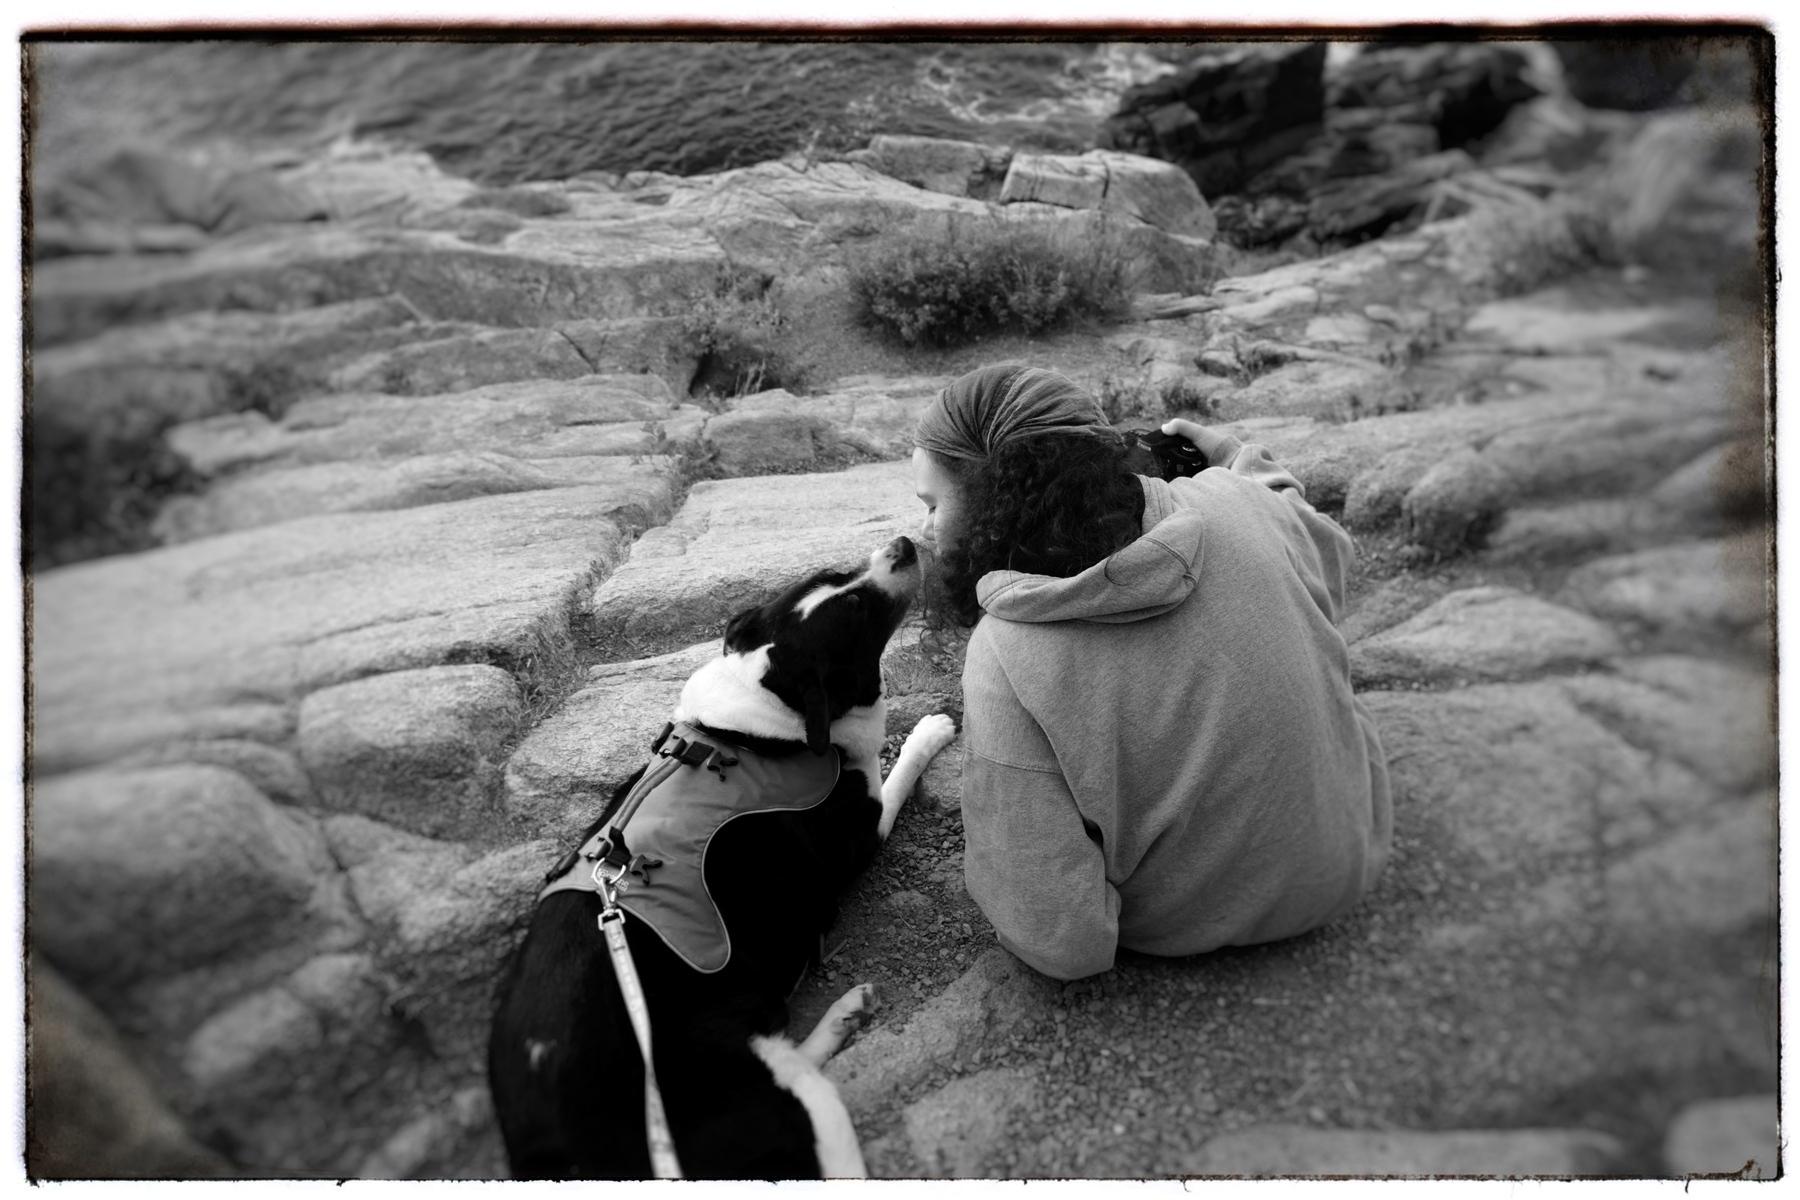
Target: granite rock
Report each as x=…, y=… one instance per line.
x=944, y=165
x=387, y=867
x=431, y=1137
x=1528, y=781
x=739, y=542
x=767, y=440
x=991, y=998
x=591, y=415
x=1483, y=633
x=199, y=865
x=149, y=186
x=218, y=638
x=460, y=361
x=561, y=776
x=418, y=749
x=954, y=1131
x=1676, y=594
x=267, y=497
x=1712, y=715
x=1227, y=113
x=1725, y=1137
x=266, y=1043
x=134, y=380
x=1621, y=449
x=94, y=1113
x=1067, y=181
x=1702, y=883
x=552, y=270
x=451, y=939
x=1684, y=193
x=1281, y=1151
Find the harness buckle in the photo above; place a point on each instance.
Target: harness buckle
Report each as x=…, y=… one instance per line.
x=692, y=752
x=717, y=761
x=610, y=852
x=688, y=754
x=604, y=881
x=641, y=865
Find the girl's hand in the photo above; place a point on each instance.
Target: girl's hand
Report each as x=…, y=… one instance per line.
x=1211, y=442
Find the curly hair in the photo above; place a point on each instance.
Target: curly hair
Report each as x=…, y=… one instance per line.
x=1048, y=505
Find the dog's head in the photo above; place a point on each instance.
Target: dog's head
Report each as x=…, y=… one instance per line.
x=824, y=637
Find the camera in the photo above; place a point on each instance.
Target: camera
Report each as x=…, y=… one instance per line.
x=1165, y=455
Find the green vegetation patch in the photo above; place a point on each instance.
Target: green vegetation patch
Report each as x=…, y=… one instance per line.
x=743, y=336
x=950, y=285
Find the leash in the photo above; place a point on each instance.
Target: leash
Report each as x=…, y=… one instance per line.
x=675, y=754
x=656, y=1123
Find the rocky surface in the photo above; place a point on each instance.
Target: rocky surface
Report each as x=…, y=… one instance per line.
x=421, y=284
x=1463, y=92
x=1297, y=140
x=1227, y=114
x=1638, y=75
x=1156, y=193
x=460, y=531
x=144, y=187
x=737, y=540
x=1483, y=633
x=1736, y=1136
x=95, y=1115
x=1278, y=1151
x=221, y=638
x=415, y=748
x=938, y=164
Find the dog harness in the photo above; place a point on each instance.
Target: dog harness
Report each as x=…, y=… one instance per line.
x=694, y=784
x=666, y=877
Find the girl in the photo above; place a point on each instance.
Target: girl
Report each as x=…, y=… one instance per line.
x=1163, y=751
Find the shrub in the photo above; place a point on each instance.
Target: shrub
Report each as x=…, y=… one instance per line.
x=947, y=286
x=740, y=329
x=267, y=387
x=1136, y=398
x=95, y=484
x=1513, y=242
x=1125, y=397
x=90, y=494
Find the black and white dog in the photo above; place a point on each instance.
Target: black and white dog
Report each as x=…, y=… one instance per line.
x=799, y=682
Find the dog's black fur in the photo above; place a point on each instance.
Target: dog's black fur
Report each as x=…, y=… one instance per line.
x=563, y=1061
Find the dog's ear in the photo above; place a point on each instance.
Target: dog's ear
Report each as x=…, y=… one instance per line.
x=740, y=630
x=818, y=715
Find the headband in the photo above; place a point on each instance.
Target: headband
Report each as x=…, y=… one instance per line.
x=985, y=409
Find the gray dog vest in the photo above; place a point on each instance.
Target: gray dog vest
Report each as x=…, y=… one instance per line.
x=665, y=840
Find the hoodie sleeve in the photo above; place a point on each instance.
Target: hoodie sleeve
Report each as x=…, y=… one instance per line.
x=1034, y=872
x=1336, y=551
x=1028, y=860
x=1255, y=462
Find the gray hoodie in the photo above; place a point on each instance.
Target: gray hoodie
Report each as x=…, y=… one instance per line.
x=1163, y=751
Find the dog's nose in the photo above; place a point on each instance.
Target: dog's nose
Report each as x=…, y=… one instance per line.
x=903, y=553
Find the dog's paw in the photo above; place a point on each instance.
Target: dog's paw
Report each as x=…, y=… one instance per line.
x=847, y=1014
x=863, y=999
x=854, y=1009
x=930, y=735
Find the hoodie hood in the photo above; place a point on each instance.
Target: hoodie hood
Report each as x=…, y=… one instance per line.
x=1145, y=579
